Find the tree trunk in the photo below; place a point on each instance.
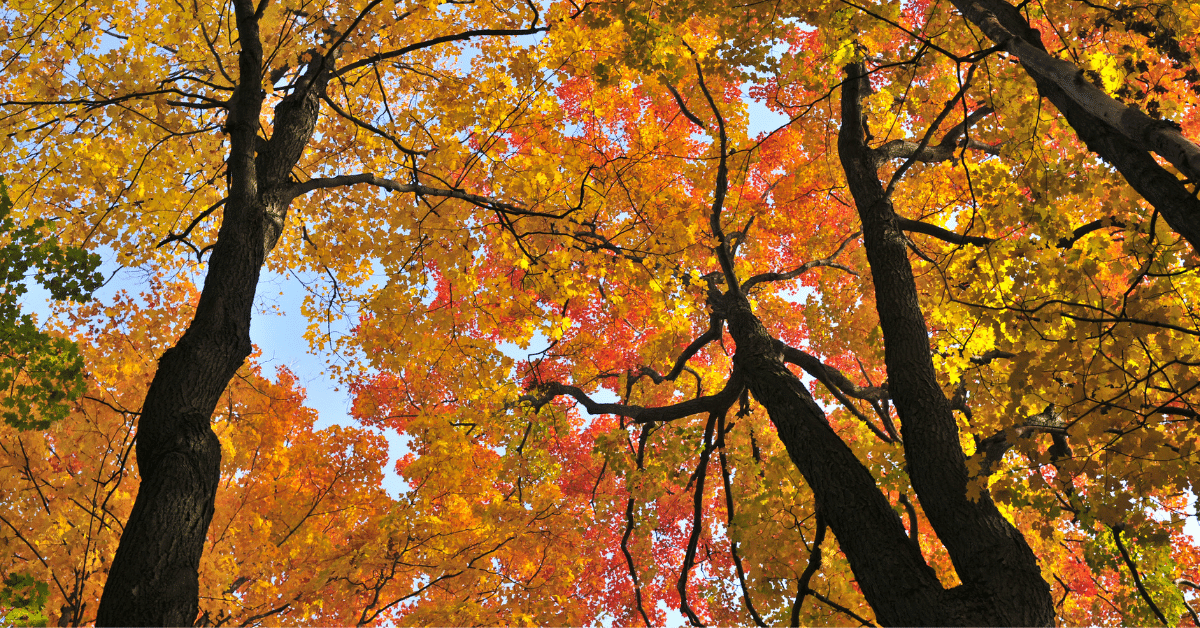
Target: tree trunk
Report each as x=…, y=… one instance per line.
x=899, y=586
x=1123, y=136
x=1002, y=583
x=154, y=577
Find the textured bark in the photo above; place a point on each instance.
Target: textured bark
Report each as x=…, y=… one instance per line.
x=153, y=580
x=899, y=586
x=1002, y=584
x=1121, y=135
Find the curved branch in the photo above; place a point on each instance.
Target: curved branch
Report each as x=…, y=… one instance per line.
x=687, y=113
x=429, y=43
x=1107, y=221
x=803, y=268
x=372, y=128
x=322, y=183
x=1191, y=611
x=713, y=333
x=916, y=226
x=639, y=414
x=823, y=372
x=814, y=563
x=1137, y=578
x=689, y=557
x=945, y=235
x=724, y=254
x=629, y=522
x=733, y=546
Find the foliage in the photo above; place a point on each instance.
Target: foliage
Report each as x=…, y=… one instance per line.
x=40, y=373
x=551, y=286
x=23, y=599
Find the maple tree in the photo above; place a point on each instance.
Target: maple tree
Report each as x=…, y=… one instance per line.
x=302, y=531
x=942, y=316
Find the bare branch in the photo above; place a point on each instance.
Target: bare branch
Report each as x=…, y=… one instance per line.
x=813, y=366
x=724, y=255
x=689, y=557
x=1107, y=221
x=1191, y=611
x=629, y=522
x=842, y=609
x=372, y=128
x=991, y=450
x=182, y=237
x=713, y=333
x=943, y=150
x=994, y=354
x=945, y=235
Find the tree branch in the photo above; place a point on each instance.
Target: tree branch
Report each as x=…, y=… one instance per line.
x=683, y=108
x=1107, y=221
x=182, y=237
x=1122, y=135
x=803, y=268
x=1191, y=611
x=920, y=148
x=991, y=450
x=429, y=43
x=823, y=372
x=713, y=333
x=943, y=150
x=639, y=414
x=729, y=517
x=689, y=556
x=1137, y=578
x=372, y=128
x=814, y=563
x=841, y=609
x=724, y=254
x=916, y=226
x=322, y=183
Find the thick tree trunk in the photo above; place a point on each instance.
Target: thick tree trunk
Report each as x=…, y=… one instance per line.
x=154, y=580
x=1122, y=135
x=899, y=586
x=1002, y=583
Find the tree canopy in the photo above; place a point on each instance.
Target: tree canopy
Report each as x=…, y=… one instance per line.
x=925, y=353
